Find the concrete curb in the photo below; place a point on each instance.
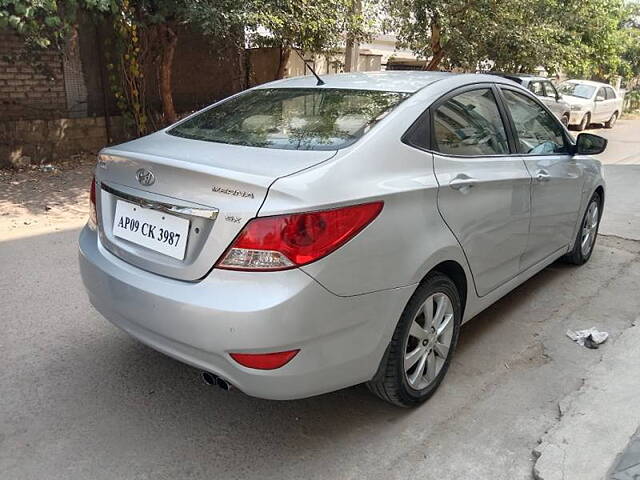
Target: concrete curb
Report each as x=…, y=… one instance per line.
x=598, y=420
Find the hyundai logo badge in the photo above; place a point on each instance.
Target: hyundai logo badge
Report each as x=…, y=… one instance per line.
x=145, y=177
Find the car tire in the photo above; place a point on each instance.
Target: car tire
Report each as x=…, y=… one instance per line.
x=565, y=119
x=428, y=350
x=586, y=121
x=579, y=255
x=612, y=120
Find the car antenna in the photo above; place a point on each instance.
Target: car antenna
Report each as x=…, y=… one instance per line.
x=320, y=81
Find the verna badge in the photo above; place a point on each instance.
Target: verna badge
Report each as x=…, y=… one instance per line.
x=145, y=177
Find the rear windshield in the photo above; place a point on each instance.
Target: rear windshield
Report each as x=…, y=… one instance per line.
x=292, y=118
x=579, y=90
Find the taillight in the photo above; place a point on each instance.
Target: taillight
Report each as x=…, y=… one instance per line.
x=264, y=361
x=287, y=241
x=93, y=215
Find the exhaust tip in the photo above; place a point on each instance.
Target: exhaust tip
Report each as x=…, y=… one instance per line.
x=209, y=378
x=223, y=384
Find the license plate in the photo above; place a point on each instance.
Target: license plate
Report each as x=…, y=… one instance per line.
x=158, y=231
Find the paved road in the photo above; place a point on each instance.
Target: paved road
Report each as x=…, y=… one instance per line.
x=624, y=142
x=79, y=399
x=622, y=174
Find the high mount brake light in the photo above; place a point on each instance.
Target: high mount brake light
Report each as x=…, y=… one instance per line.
x=293, y=240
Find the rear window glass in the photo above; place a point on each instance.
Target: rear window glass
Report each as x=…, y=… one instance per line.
x=292, y=118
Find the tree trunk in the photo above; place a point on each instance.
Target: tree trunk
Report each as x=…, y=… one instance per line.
x=352, y=47
x=169, y=42
x=285, y=53
x=437, y=51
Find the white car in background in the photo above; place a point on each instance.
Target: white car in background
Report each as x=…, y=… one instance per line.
x=591, y=102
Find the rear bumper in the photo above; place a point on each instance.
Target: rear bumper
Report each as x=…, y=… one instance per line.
x=341, y=339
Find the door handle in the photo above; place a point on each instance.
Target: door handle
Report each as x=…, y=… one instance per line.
x=462, y=181
x=542, y=176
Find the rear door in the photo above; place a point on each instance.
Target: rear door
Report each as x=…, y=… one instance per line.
x=557, y=178
x=612, y=101
x=601, y=107
x=484, y=192
x=551, y=99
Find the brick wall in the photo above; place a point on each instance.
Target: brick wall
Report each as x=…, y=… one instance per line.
x=34, y=142
x=44, y=118
x=24, y=92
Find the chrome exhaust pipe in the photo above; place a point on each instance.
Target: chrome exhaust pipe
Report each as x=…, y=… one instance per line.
x=223, y=384
x=211, y=379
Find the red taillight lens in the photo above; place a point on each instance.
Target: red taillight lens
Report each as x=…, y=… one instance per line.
x=264, y=361
x=93, y=216
x=287, y=241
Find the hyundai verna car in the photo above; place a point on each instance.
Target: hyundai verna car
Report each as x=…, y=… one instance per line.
x=297, y=238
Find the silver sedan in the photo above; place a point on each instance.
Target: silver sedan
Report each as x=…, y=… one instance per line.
x=298, y=238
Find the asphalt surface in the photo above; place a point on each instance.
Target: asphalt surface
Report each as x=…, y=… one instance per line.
x=624, y=142
x=79, y=399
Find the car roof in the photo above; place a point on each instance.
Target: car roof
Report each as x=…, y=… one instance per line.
x=522, y=78
x=393, y=81
x=408, y=81
x=590, y=82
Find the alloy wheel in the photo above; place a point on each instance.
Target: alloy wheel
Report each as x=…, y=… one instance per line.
x=589, y=229
x=429, y=341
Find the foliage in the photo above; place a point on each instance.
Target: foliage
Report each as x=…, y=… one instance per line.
x=44, y=25
x=309, y=25
x=633, y=100
x=583, y=37
x=594, y=40
x=126, y=54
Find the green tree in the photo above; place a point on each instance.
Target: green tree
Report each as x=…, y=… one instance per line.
x=158, y=23
x=583, y=37
x=594, y=40
x=45, y=25
x=447, y=33
x=309, y=25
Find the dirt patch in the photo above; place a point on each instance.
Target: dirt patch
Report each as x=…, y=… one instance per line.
x=37, y=198
x=631, y=115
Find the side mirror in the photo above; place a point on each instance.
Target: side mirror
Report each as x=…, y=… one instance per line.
x=590, y=144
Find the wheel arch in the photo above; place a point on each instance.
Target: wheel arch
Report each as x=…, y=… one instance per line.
x=457, y=274
x=600, y=191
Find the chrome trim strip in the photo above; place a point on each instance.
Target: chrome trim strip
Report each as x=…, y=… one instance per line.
x=208, y=213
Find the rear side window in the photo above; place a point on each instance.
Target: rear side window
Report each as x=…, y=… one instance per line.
x=418, y=133
x=536, y=88
x=292, y=118
x=550, y=90
x=611, y=95
x=538, y=131
x=470, y=124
